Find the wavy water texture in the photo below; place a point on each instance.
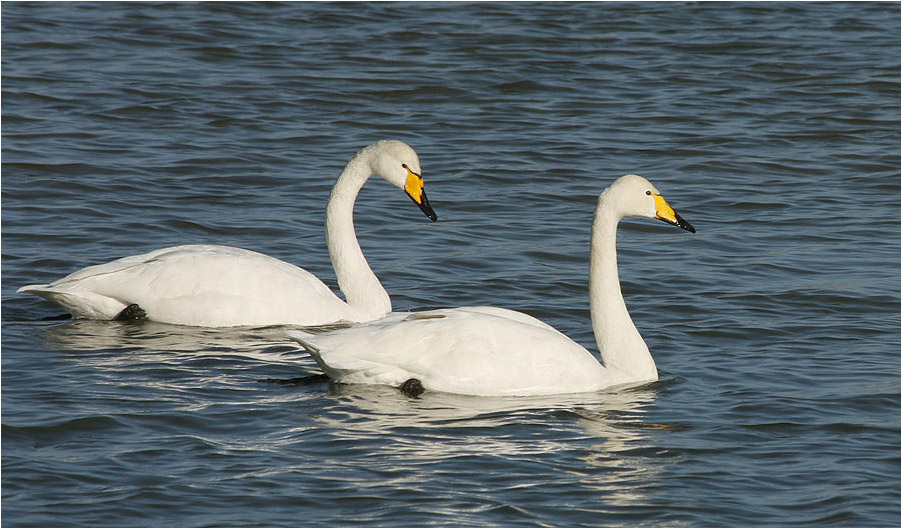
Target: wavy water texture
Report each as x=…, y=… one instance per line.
x=772, y=127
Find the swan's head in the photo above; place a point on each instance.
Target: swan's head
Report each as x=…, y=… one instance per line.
x=636, y=196
x=398, y=163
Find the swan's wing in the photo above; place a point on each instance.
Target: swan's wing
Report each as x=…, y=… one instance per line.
x=468, y=350
x=508, y=314
x=199, y=285
x=78, y=303
x=82, y=294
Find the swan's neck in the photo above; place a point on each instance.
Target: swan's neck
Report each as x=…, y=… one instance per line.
x=622, y=349
x=366, y=297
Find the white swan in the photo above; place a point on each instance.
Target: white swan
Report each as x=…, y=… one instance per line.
x=221, y=286
x=498, y=352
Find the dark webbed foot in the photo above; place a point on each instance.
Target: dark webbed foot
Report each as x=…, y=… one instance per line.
x=412, y=387
x=131, y=313
x=297, y=381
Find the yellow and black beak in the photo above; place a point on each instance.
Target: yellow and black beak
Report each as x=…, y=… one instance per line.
x=664, y=212
x=416, y=190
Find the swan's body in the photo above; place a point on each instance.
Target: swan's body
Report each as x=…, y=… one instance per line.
x=220, y=286
x=492, y=351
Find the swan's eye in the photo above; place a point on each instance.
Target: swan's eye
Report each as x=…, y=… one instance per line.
x=404, y=165
x=648, y=193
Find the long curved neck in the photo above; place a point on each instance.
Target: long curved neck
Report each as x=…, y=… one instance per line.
x=619, y=342
x=363, y=292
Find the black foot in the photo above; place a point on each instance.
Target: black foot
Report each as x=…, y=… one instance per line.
x=131, y=313
x=412, y=387
x=298, y=381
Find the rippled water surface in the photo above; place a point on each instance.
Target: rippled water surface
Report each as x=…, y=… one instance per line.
x=773, y=128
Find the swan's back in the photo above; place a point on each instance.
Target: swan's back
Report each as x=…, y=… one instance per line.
x=468, y=350
x=202, y=285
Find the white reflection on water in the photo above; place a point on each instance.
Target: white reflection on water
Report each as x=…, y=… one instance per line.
x=382, y=408
x=597, y=441
x=625, y=460
x=155, y=341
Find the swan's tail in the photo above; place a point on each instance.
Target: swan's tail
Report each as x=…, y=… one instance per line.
x=304, y=339
x=79, y=303
x=342, y=366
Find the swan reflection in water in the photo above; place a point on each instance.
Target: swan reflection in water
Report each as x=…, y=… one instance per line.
x=170, y=358
x=154, y=340
x=600, y=440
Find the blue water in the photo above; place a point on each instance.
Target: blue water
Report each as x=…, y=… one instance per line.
x=772, y=127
